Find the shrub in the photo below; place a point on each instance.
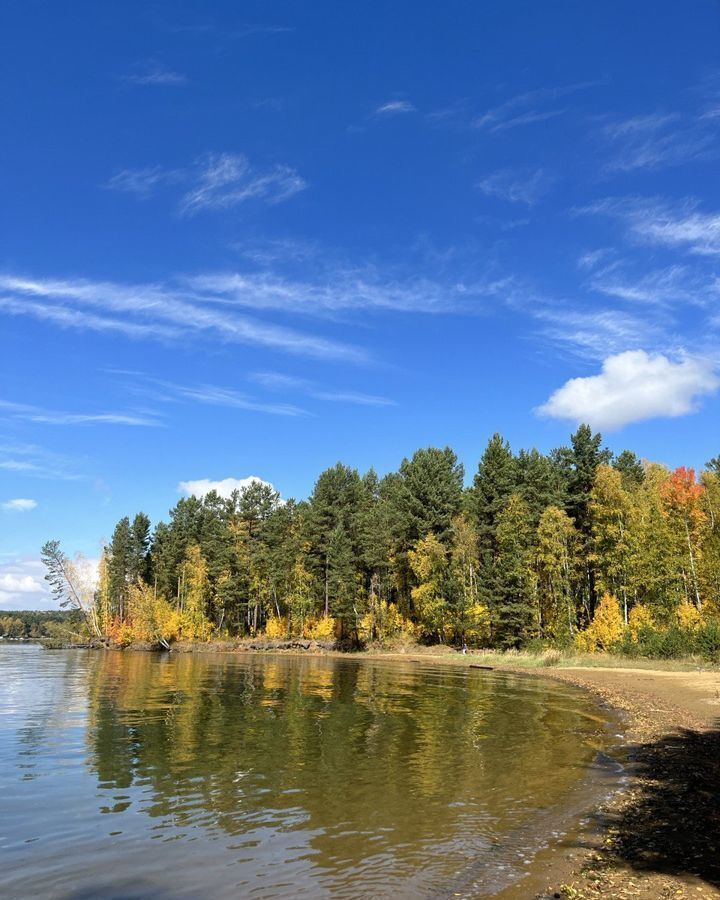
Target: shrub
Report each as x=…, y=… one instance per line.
x=606, y=629
x=688, y=616
x=640, y=618
x=277, y=628
x=322, y=629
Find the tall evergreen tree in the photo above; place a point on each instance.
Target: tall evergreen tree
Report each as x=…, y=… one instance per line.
x=581, y=462
x=139, y=562
x=333, y=505
x=494, y=482
x=120, y=566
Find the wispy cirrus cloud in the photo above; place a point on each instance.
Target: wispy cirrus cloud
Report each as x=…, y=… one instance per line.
x=225, y=180
x=276, y=381
x=30, y=413
x=155, y=74
x=143, y=182
x=217, y=181
x=655, y=141
x=395, y=108
x=595, y=333
x=157, y=312
x=659, y=222
x=34, y=461
x=346, y=289
x=162, y=390
x=670, y=286
x=516, y=185
x=530, y=107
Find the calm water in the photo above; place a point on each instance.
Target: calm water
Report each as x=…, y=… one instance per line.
x=141, y=775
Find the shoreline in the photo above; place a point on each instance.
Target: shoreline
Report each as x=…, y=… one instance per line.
x=654, y=837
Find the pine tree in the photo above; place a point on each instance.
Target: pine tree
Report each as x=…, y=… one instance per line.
x=139, y=556
x=333, y=504
x=119, y=567
x=540, y=482
x=581, y=461
x=494, y=482
x=630, y=468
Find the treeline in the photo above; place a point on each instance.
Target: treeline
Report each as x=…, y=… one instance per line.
x=523, y=555
x=24, y=624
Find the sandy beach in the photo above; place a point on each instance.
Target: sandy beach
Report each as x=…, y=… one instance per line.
x=657, y=837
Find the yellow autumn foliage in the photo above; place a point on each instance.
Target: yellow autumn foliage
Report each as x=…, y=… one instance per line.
x=277, y=628
x=688, y=616
x=322, y=629
x=383, y=622
x=605, y=629
x=640, y=617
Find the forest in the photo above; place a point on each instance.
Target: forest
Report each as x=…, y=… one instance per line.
x=27, y=625
x=575, y=548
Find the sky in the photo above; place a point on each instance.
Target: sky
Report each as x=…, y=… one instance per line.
x=253, y=239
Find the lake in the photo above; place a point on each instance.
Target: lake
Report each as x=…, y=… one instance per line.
x=268, y=775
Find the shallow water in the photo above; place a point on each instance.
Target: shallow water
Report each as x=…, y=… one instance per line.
x=217, y=775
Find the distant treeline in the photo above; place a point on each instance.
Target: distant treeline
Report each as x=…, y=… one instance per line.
x=577, y=546
x=26, y=624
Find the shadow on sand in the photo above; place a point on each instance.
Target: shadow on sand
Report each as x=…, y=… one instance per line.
x=671, y=823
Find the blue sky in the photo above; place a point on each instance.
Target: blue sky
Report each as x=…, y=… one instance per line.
x=253, y=239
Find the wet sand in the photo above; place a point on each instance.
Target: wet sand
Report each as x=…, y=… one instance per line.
x=658, y=837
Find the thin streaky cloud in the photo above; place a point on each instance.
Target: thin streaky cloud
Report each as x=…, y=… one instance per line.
x=659, y=222
x=218, y=396
x=655, y=141
x=516, y=186
x=277, y=381
x=593, y=258
x=671, y=286
x=394, y=108
x=595, y=333
x=83, y=321
x=528, y=118
x=227, y=32
x=506, y=115
x=344, y=289
x=226, y=180
x=31, y=413
x=33, y=461
x=142, y=182
x=155, y=74
x=216, y=181
x=209, y=394
x=164, y=314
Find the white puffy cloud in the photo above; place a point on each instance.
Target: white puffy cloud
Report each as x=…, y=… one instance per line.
x=22, y=585
x=224, y=487
x=19, y=504
x=634, y=386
